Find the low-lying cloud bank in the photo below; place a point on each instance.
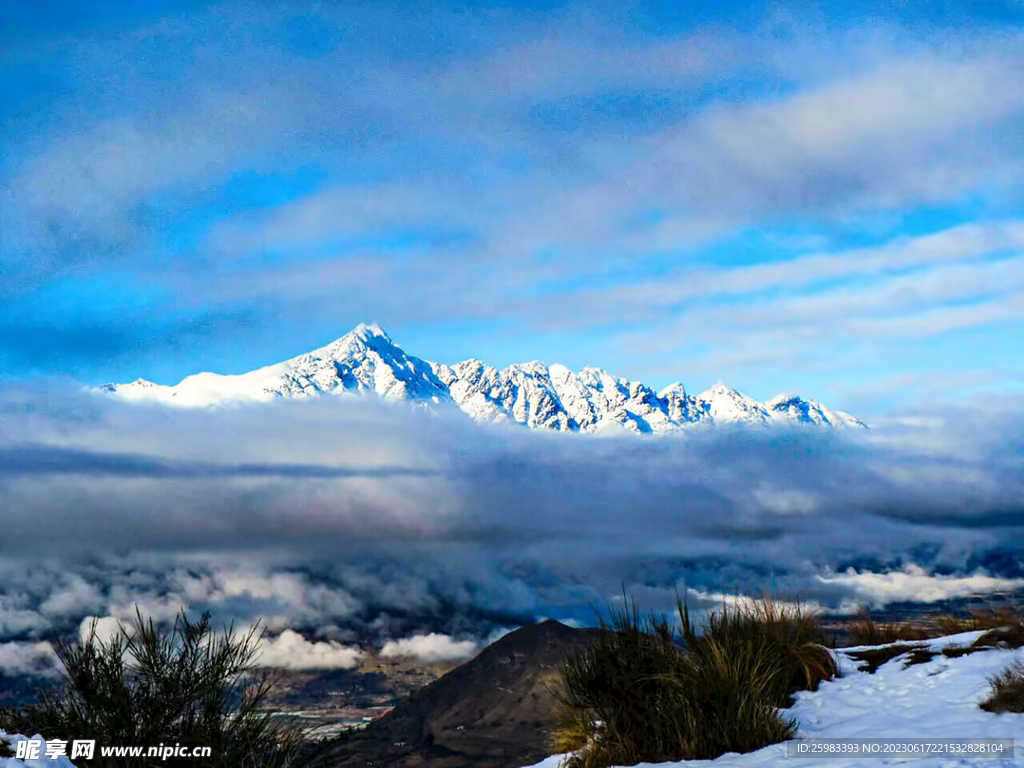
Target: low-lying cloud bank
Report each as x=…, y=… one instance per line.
x=347, y=521
x=290, y=650
x=431, y=647
x=912, y=583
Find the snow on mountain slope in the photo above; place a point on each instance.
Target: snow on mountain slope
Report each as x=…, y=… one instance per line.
x=534, y=394
x=725, y=404
x=365, y=360
x=935, y=700
x=794, y=407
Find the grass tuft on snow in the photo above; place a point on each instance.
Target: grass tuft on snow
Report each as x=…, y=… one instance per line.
x=642, y=693
x=979, y=619
x=1007, y=690
x=864, y=630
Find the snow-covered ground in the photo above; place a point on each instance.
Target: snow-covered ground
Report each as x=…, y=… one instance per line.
x=937, y=699
x=42, y=762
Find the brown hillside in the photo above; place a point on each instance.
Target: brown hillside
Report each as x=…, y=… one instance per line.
x=490, y=712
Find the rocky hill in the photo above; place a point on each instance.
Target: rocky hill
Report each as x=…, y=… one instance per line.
x=492, y=711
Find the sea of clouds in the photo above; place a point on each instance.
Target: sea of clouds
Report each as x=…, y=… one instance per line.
x=343, y=522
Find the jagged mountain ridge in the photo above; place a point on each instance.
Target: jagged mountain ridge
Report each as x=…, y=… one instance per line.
x=534, y=394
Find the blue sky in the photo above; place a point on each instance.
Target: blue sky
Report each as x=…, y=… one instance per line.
x=825, y=198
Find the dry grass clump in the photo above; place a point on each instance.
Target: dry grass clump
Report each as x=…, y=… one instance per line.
x=864, y=630
x=1007, y=690
x=1003, y=626
x=641, y=693
x=956, y=651
x=920, y=655
x=872, y=658
x=978, y=618
x=1002, y=637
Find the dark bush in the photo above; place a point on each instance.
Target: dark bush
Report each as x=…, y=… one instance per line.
x=143, y=687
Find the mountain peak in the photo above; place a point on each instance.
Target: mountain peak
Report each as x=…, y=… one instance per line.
x=363, y=336
x=369, y=331
x=719, y=389
x=785, y=397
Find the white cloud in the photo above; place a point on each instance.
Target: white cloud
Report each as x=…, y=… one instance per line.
x=17, y=618
x=826, y=311
x=28, y=658
x=290, y=650
x=964, y=243
x=72, y=597
x=885, y=137
x=499, y=632
x=913, y=583
x=719, y=600
x=785, y=501
x=430, y=647
x=103, y=629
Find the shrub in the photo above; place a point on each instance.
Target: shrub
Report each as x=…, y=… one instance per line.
x=189, y=686
x=639, y=693
x=1007, y=690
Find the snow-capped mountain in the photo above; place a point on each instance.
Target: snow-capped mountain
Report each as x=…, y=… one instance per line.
x=534, y=394
x=365, y=360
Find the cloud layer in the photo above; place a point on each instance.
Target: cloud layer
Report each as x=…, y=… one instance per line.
x=482, y=527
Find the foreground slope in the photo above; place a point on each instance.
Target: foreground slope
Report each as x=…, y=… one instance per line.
x=367, y=360
x=934, y=700
x=492, y=711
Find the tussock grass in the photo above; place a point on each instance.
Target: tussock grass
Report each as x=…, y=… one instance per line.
x=864, y=630
x=644, y=693
x=978, y=619
x=1002, y=625
x=1011, y=636
x=145, y=686
x=1007, y=690
x=957, y=651
x=920, y=655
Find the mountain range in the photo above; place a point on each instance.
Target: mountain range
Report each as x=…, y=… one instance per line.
x=534, y=394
